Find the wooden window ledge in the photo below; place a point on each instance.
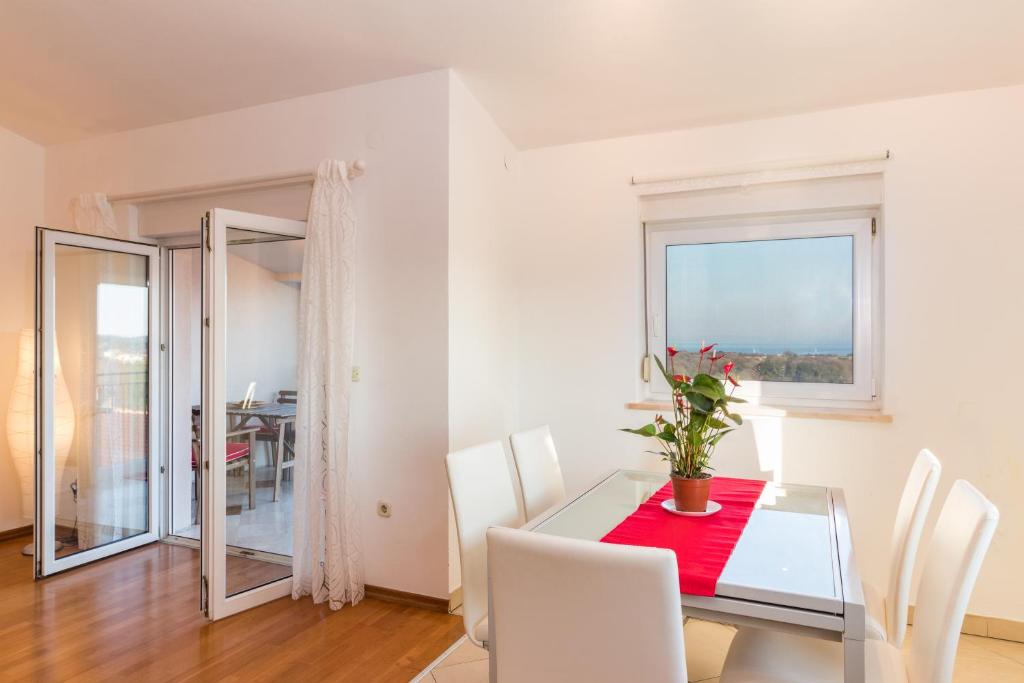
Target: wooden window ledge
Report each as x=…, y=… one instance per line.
x=800, y=412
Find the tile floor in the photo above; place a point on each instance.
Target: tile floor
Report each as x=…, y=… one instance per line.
x=268, y=526
x=978, y=659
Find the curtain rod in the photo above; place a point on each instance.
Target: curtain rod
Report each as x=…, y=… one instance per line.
x=756, y=168
x=355, y=169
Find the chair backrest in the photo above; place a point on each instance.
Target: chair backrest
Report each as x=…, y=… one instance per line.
x=483, y=495
x=540, y=477
x=906, y=535
x=958, y=546
x=287, y=396
x=570, y=610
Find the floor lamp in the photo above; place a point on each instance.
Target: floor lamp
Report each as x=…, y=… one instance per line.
x=21, y=422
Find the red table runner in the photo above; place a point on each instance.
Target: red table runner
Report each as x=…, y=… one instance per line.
x=702, y=544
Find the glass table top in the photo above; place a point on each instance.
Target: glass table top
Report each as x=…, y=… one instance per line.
x=785, y=556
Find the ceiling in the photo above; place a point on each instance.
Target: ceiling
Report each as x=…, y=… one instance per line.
x=549, y=71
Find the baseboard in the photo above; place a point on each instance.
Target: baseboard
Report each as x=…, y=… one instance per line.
x=455, y=599
x=403, y=598
x=16, y=532
x=987, y=627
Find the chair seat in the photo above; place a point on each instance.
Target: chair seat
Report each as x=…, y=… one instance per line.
x=235, y=451
x=874, y=604
x=764, y=656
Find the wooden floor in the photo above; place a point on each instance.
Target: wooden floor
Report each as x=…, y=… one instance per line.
x=136, y=617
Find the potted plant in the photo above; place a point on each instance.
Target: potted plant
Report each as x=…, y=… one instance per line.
x=701, y=417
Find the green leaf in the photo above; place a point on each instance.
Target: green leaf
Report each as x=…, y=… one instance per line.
x=715, y=423
x=700, y=403
x=736, y=399
x=705, y=391
x=706, y=380
x=646, y=430
x=718, y=437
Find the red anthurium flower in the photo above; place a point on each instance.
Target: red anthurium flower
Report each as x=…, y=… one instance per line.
x=671, y=351
x=705, y=349
x=687, y=378
x=679, y=378
x=733, y=380
x=727, y=368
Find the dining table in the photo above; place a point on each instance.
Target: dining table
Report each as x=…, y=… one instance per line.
x=793, y=568
x=275, y=417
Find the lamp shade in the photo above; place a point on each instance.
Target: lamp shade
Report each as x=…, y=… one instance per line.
x=21, y=420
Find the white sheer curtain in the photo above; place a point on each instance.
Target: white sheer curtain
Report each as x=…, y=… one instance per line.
x=93, y=215
x=326, y=557
x=107, y=378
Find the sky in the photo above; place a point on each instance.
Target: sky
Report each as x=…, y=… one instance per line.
x=795, y=293
x=122, y=310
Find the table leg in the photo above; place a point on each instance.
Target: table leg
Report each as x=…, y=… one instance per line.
x=853, y=661
x=279, y=465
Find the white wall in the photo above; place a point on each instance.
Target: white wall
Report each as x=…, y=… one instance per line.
x=21, y=209
x=482, y=281
x=953, y=320
x=400, y=407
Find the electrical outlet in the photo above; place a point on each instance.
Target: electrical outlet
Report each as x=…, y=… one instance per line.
x=355, y=373
x=383, y=508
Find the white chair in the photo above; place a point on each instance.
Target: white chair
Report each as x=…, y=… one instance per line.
x=540, y=477
x=887, y=615
x=483, y=495
x=571, y=610
x=961, y=539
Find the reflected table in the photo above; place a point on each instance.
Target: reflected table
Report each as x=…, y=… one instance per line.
x=793, y=568
x=275, y=417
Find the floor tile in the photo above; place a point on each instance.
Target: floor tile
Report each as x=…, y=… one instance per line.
x=1006, y=648
x=466, y=652
x=467, y=672
x=978, y=659
x=706, y=646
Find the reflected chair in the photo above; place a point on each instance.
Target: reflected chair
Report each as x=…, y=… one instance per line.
x=540, y=476
x=571, y=610
x=238, y=454
x=483, y=496
x=958, y=546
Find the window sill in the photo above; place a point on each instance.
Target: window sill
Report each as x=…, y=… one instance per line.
x=843, y=414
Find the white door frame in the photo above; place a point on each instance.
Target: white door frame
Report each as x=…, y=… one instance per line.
x=214, y=420
x=45, y=517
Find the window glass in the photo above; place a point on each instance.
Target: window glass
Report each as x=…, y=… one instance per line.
x=783, y=309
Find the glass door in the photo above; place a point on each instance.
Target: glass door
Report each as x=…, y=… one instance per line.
x=251, y=268
x=96, y=392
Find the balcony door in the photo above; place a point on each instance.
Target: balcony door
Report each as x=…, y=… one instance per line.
x=251, y=269
x=97, y=357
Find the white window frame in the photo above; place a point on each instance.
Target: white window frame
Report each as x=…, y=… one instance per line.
x=861, y=225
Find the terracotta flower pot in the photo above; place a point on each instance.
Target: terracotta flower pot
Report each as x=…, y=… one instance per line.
x=691, y=495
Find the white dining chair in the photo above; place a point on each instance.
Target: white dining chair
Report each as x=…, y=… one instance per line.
x=958, y=546
x=571, y=610
x=540, y=476
x=887, y=614
x=483, y=495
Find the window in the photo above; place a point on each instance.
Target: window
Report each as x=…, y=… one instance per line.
x=790, y=301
